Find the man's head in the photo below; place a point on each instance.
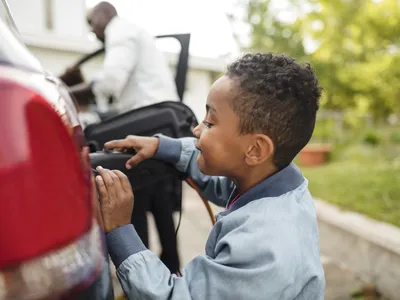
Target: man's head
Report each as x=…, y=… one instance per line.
x=261, y=113
x=99, y=17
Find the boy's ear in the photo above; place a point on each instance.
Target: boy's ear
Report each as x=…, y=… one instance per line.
x=260, y=149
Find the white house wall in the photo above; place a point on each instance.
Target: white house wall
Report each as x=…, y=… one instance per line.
x=60, y=42
x=75, y=25
x=68, y=17
x=29, y=15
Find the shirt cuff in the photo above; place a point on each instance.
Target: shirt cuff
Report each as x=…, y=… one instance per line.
x=122, y=242
x=169, y=149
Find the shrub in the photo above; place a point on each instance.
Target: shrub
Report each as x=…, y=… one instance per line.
x=372, y=138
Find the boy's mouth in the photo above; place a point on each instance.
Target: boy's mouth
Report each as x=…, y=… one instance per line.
x=198, y=147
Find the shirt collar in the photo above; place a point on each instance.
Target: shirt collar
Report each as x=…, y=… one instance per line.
x=111, y=24
x=280, y=183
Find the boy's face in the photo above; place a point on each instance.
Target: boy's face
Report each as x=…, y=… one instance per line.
x=222, y=149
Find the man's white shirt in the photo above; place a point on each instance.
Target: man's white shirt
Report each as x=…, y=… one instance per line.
x=135, y=72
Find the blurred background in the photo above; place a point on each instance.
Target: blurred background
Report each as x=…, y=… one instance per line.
x=353, y=158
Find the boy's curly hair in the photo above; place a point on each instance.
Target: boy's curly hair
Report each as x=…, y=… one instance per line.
x=278, y=97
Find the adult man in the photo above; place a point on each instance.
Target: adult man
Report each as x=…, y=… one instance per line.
x=135, y=73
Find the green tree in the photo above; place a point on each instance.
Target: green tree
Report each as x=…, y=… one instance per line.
x=267, y=31
x=356, y=53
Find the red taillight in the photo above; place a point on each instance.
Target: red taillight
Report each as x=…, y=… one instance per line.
x=44, y=199
x=51, y=275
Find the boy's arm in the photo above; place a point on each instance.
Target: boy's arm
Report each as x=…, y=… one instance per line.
x=241, y=266
x=183, y=154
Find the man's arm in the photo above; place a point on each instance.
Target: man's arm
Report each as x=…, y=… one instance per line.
x=183, y=154
x=81, y=89
x=119, y=61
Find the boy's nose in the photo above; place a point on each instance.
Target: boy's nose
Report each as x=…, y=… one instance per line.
x=197, y=131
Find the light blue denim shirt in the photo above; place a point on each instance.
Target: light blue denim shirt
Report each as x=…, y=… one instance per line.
x=264, y=246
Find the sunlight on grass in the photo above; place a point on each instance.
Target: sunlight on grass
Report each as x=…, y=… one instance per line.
x=362, y=179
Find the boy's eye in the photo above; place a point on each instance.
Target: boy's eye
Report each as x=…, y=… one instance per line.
x=207, y=124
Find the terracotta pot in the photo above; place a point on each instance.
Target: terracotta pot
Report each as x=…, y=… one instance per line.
x=314, y=155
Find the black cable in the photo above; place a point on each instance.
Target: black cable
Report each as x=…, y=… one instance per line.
x=180, y=217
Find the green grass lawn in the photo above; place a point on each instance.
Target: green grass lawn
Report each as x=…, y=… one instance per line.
x=361, y=178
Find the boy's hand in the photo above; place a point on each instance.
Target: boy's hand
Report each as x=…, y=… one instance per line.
x=116, y=198
x=145, y=147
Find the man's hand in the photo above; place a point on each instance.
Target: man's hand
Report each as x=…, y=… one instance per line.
x=116, y=198
x=72, y=76
x=81, y=88
x=145, y=147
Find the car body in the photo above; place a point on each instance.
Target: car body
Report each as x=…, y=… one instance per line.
x=52, y=242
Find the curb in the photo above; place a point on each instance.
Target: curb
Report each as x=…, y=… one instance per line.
x=371, y=249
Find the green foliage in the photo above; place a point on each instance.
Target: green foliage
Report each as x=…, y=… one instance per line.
x=360, y=178
x=268, y=33
x=395, y=138
x=356, y=57
x=372, y=138
x=326, y=130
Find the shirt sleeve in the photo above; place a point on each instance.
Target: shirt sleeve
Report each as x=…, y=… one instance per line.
x=119, y=61
x=233, y=270
x=183, y=154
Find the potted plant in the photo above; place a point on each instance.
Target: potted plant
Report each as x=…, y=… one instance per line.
x=318, y=150
x=315, y=154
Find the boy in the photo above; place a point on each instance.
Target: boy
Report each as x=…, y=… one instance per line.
x=265, y=244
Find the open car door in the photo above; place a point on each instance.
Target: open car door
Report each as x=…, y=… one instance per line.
x=173, y=119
